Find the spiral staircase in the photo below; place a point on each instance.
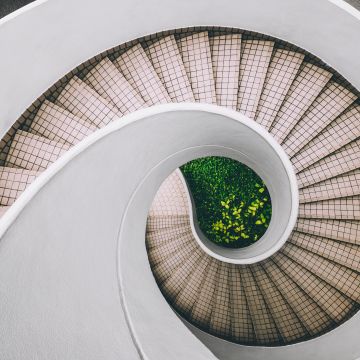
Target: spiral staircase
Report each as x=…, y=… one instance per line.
x=305, y=290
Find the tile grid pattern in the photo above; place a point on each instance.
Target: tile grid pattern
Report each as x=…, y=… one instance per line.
x=226, y=53
x=235, y=302
x=48, y=130
x=281, y=73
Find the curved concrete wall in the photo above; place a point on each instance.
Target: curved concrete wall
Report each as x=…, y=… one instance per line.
x=65, y=33
x=60, y=291
x=340, y=343
x=30, y=63
x=80, y=285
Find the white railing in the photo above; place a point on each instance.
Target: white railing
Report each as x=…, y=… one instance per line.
x=43, y=41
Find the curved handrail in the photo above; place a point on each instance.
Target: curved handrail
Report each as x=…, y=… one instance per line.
x=38, y=257
x=53, y=53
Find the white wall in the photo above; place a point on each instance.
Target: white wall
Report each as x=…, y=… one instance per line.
x=74, y=275
x=39, y=318
x=50, y=38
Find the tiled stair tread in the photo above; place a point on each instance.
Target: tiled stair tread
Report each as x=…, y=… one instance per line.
x=341, y=253
x=201, y=311
x=86, y=103
x=255, y=59
x=338, y=276
x=332, y=101
x=332, y=165
x=163, y=222
x=312, y=316
x=344, y=185
x=196, y=56
x=167, y=62
x=33, y=152
x=314, y=281
x=241, y=324
x=3, y=210
x=139, y=72
x=58, y=124
x=177, y=280
x=307, y=85
x=286, y=320
x=339, y=133
x=220, y=321
x=168, y=248
x=13, y=182
x=171, y=198
x=225, y=54
x=331, y=301
x=340, y=230
x=189, y=293
x=164, y=269
x=108, y=81
x=264, y=325
x=281, y=73
x=340, y=209
x=156, y=239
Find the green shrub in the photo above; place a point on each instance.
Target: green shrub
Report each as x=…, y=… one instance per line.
x=233, y=205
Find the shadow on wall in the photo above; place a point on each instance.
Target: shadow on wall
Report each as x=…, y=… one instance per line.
x=8, y=6
x=355, y=4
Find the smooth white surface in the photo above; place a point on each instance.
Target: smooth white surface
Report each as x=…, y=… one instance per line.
x=60, y=285
x=40, y=44
x=48, y=39
x=258, y=150
x=339, y=344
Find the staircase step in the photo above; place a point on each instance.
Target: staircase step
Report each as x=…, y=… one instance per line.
x=340, y=162
x=165, y=269
x=225, y=54
x=282, y=71
x=339, y=209
x=167, y=248
x=13, y=182
x=171, y=198
x=84, y=102
x=139, y=72
x=196, y=56
x=190, y=292
x=264, y=325
x=241, y=324
x=255, y=60
x=201, y=311
x=159, y=237
x=332, y=101
x=331, y=301
x=33, y=152
x=173, y=285
x=339, y=133
x=345, y=185
x=288, y=324
x=307, y=85
x=108, y=81
x=341, y=230
x=312, y=316
x=155, y=223
x=339, y=277
x=341, y=253
x=3, y=210
x=167, y=62
x=220, y=320
x=55, y=123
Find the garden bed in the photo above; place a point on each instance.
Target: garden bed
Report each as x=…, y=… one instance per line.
x=233, y=205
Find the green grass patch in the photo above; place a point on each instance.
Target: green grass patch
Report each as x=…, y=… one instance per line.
x=233, y=205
